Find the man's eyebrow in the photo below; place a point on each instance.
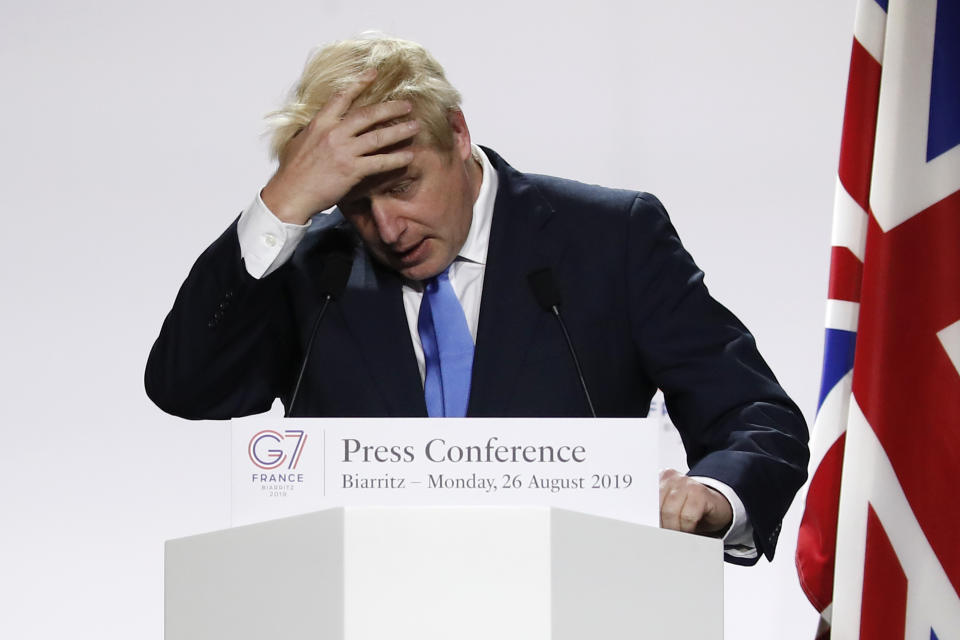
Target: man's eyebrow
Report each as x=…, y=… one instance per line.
x=390, y=183
x=384, y=181
x=378, y=183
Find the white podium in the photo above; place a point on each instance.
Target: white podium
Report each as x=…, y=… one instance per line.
x=431, y=573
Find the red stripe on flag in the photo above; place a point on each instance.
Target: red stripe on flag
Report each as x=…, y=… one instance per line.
x=818, y=530
x=859, y=124
x=903, y=378
x=846, y=274
x=817, y=540
x=883, y=612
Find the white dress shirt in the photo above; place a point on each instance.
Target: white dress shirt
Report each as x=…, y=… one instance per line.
x=266, y=243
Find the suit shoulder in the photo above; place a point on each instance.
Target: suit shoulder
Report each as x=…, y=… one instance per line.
x=571, y=195
x=328, y=233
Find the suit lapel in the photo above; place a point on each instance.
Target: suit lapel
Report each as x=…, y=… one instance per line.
x=521, y=240
x=373, y=310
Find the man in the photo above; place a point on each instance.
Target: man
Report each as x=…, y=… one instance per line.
x=438, y=316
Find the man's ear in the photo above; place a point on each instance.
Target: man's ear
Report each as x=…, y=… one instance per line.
x=461, y=134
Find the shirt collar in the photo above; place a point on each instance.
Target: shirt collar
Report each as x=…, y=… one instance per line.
x=474, y=248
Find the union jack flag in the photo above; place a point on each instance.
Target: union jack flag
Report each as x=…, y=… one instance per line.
x=879, y=546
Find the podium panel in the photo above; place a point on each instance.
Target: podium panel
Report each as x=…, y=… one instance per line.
x=426, y=573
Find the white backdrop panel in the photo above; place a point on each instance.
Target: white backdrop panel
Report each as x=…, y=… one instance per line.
x=130, y=140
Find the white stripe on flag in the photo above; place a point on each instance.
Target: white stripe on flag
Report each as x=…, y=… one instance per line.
x=849, y=222
x=851, y=530
x=831, y=421
x=950, y=339
x=842, y=315
x=870, y=26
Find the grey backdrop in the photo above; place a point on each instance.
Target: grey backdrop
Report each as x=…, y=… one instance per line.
x=129, y=139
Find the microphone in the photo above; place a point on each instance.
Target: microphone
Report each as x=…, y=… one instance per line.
x=330, y=284
x=544, y=288
x=333, y=278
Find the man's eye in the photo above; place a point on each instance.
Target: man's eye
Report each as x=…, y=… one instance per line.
x=403, y=187
x=355, y=207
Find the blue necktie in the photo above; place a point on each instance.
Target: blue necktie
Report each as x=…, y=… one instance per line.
x=447, y=349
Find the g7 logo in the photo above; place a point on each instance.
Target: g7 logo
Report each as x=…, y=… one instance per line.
x=271, y=458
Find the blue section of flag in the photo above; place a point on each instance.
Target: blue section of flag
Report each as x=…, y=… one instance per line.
x=883, y=4
x=933, y=636
x=944, y=131
x=837, y=359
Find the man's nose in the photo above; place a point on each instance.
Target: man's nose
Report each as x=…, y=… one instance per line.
x=390, y=224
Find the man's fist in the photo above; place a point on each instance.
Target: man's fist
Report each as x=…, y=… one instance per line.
x=687, y=505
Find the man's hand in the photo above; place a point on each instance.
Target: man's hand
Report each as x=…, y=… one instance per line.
x=687, y=505
x=341, y=146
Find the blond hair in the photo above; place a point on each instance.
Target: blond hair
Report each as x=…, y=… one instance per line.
x=405, y=70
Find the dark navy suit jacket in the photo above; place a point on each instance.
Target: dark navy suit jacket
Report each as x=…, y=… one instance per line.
x=633, y=300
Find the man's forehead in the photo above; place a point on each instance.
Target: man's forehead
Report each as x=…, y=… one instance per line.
x=378, y=182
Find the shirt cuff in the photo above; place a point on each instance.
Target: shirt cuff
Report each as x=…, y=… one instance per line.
x=266, y=243
x=738, y=540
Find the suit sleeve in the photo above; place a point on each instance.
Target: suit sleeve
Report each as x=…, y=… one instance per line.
x=737, y=423
x=225, y=349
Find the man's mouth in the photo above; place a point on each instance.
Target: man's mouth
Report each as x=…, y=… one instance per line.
x=412, y=254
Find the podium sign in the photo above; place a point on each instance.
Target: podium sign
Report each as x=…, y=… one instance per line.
x=604, y=467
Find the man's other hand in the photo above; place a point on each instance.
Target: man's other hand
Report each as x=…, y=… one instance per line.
x=687, y=505
x=341, y=146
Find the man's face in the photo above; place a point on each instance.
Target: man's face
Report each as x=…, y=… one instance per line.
x=416, y=220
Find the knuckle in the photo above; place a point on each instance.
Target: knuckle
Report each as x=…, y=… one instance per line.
x=672, y=486
x=342, y=165
x=671, y=477
x=332, y=140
